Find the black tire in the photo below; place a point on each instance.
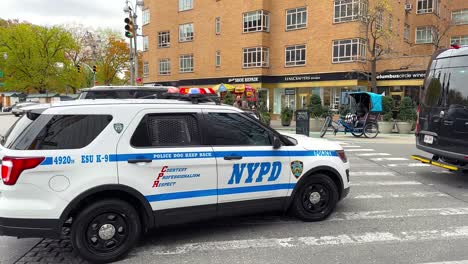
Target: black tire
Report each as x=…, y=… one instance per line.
x=86, y=236
x=371, y=130
x=306, y=209
x=357, y=134
x=325, y=126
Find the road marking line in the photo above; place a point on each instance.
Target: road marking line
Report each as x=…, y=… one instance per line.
x=457, y=232
x=371, y=173
x=373, y=154
x=399, y=195
x=384, y=183
x=356, y=150
x=351, y=146
x=409, y=165
x=449, y=262
x=389, y=214
x=390, y=159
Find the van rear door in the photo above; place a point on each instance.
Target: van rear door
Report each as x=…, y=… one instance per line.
x=444, y=112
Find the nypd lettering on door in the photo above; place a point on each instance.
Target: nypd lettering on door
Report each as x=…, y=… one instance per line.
x=255, y=172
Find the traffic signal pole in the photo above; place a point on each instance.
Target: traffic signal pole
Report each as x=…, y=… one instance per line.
x=92, y=71
x=132, y=73
x=135, y=32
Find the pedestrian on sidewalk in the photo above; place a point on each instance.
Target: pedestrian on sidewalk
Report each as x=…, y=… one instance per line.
x=239, y=103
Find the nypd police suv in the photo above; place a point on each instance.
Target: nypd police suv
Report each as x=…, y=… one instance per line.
x=102, y=172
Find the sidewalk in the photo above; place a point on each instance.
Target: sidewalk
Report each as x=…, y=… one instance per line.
x=381, y=138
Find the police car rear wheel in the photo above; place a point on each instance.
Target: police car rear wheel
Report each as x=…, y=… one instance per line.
x=106, y=231
x=316, y=198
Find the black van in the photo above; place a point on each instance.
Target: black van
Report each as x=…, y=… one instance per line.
x=442, y=126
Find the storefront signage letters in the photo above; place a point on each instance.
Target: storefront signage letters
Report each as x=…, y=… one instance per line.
x=401, y=76
x=243, y=80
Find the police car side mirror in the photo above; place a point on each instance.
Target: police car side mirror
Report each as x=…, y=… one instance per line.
x=276, y=142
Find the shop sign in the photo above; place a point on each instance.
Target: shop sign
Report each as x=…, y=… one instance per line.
x=303, y=122
x=401, y=75
x=244, y=80
x=290, y=91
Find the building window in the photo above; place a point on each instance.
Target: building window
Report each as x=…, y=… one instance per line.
x=164, y=39
x=347, y=50
x=164, y=66
x=460, y=40
x=424, y=35
x=218, y=58
x=295, y=55
x=296, y=18
x=145, y=43
x=186, y=63
x=349, y=10
x=256, y=21
x=390, y=23
x=145, y=69
x=218, y=25
x=186, y=32
x=460, y=17
x=256, y=57
x=427, y=6
x=146, y=17
x=185, y=5
x=406, y=32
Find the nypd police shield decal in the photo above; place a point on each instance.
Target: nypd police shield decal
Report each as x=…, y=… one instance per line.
x=118, y=127
x=296, y=168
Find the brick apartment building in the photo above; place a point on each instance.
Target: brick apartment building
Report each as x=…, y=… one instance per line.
x=291, y=49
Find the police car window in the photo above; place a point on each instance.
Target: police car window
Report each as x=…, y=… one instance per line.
x=230, y=129
x=62, y=132
x=167, y=130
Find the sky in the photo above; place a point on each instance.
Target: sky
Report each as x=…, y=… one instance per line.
x=90, y=13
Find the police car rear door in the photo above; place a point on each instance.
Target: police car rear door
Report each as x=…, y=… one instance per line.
x=161, y=155
x=249, y=169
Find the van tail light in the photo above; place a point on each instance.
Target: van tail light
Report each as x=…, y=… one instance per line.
x=12, y=167
x=418, y=128
x=342, y=155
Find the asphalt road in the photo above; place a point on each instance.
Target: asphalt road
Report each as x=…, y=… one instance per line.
x=398, y=211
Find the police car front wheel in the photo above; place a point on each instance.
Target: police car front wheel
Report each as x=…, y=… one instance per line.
x=316, y=198
x=106, y=231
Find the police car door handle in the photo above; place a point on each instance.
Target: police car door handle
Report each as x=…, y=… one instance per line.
x=133, y=161
x=232, y=157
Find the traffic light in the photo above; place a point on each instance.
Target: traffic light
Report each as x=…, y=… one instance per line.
x=78, y=68
x=129, y=30
x=94, y=68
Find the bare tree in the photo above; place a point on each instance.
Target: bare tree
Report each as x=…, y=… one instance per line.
x=378, y=36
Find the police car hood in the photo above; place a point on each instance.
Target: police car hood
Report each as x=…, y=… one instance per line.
x=313, y=143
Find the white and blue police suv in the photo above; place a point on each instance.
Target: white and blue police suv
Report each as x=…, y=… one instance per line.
x=102, y=172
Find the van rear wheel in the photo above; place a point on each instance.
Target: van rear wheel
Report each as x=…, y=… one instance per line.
x=106, y=231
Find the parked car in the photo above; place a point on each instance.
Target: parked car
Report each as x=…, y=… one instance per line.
x=17, y=109
x=442, y=125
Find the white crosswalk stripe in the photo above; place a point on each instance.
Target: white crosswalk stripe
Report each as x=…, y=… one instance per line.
x=448, y=262
x=450, y=233
x=359, y=150
x=384, y=183
x=408, y=165
x=371, y=173
x=372, y=154
x=384, y=195
x=389, y=159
